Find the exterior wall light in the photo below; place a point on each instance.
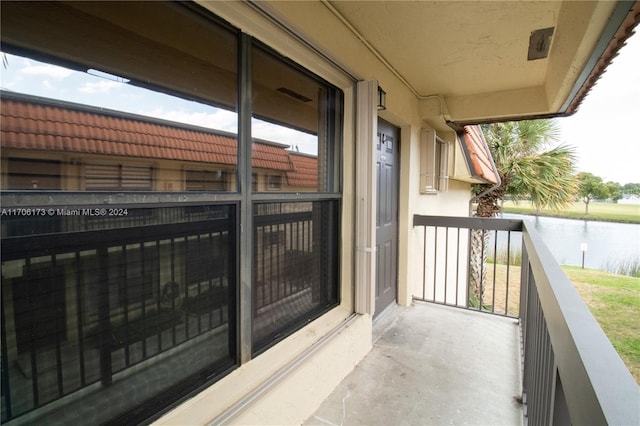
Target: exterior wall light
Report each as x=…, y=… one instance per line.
x=382, y=99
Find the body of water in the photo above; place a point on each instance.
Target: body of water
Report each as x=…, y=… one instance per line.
x=607, y=243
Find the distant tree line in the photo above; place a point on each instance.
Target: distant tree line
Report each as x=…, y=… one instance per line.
x=591, y=187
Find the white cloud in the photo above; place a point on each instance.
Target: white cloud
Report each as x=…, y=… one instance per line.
x=99, y=87
x=219, y=119
x=297, y=140
x=44, y=69
x=603, y=128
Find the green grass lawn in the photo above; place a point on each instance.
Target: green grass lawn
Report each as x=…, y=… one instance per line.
x=611, y=212
x=614, y=301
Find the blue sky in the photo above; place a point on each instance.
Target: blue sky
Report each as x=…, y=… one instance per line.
x=23, y=75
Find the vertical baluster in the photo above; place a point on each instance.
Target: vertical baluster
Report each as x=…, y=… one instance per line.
x=212, y=249
x=172, y=290
x=6, y=387
x=80, y=314
x=506, y=301
x=279, y=281
x=469, y=259
x=159, y=297
x=59, y=323
x=424, y=264
x=265, y=279
x=104, y=320
x=495, y=266
x=482, y=266
x=197, y=268
x=273, y=278
x=210, y=267
x=143, y=307
x=210, y=280
x=32, y=333
x=124, y=298
x=457, y=265
x=446, y=261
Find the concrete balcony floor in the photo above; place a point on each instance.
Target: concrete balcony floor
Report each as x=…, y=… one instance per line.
x=432, y=365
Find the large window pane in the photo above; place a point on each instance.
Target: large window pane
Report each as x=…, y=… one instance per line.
x=113, y=311
x=124, y=310
x=296, y=119
x=120, y=106
x=52, y=145
x=295, y=267
x=121, y=204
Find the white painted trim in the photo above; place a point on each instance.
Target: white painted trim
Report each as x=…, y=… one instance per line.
x=365, y=235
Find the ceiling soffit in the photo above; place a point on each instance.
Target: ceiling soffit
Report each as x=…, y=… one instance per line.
x=472, y=56
x=455, y=48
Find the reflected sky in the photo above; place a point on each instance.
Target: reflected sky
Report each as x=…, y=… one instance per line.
x=95, y=88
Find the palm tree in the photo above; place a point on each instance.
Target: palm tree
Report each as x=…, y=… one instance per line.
x=526, y=169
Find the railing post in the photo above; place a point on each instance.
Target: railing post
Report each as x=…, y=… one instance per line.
x=524, y=290
x=104, y=313
x=6, y=388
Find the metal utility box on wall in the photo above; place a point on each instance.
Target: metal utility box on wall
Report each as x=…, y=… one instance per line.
x=434, y=163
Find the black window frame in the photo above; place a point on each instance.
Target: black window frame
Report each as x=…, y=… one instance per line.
x=327, y=206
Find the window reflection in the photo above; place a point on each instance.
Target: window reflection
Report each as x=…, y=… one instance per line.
x=297, y=112
x=157, y=143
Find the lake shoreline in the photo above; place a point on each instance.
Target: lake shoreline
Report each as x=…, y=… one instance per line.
x=561, y=215
x=598, y=211
x=602, y=245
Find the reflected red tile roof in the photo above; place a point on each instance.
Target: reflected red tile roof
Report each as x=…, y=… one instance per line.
x=34, y=125
x=270, y=157
x=304, y=170
x=478, y=155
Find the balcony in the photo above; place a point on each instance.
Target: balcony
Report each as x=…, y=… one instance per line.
x=521, y=348
x=433, y=364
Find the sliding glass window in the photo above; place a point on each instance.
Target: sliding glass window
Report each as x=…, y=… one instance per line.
x=296, y=125
x=119, y=208
x=124, y=188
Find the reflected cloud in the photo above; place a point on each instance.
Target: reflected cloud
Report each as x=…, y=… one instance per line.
x=99, y=87
x=216, y=119
x=48, y=70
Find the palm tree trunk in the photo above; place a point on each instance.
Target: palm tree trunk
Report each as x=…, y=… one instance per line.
x=487, y=207
x=477, y=266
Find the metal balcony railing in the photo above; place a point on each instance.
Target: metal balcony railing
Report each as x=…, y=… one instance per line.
x=88, y=312
x=571, y=372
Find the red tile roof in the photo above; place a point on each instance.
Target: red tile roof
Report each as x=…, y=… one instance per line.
x=270, y=157
x=479, y=157
x=34, y=125
x=304, y=170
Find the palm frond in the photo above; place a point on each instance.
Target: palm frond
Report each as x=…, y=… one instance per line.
x=526, y=168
